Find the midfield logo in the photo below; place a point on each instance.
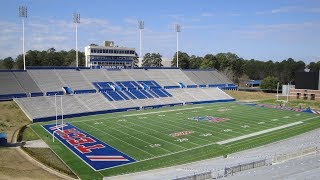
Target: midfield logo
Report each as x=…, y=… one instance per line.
x=209, y=119
x=180, y=133
x=94, y=152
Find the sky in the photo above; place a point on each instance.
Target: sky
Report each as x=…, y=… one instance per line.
x=253, y=29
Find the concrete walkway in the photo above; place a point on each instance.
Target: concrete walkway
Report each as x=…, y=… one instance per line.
x=36, y=144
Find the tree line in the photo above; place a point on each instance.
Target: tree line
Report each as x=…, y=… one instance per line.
x=236, y=67
x=231, y=64
x=50, y=57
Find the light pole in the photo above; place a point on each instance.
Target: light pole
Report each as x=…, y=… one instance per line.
x=23, y=13
x=76, y=20
x=141, y=27
x=178, y=30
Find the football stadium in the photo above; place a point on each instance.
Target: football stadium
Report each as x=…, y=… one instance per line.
x=111, y=112
x=107, y=122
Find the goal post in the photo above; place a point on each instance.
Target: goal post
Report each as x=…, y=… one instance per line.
x=56, y=109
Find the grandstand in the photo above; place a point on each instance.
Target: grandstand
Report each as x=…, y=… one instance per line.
x=97, y=91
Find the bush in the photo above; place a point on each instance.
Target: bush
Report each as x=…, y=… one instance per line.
x=269, y=83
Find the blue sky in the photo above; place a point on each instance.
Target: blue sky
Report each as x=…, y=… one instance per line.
x=259, y=29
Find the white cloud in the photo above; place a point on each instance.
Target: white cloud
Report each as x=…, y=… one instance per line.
x=131, y=21
x=290, y=9
x=200, y=27
x=282, y=32
x=207, y=14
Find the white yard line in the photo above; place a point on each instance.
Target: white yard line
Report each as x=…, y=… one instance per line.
x=152, y=124
x=150, y=136
x=258, y=133
x=119, y=116
x=157, y=112
x=287, y=125
x=119, y=139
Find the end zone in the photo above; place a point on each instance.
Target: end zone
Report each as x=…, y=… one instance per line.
x=95, y=153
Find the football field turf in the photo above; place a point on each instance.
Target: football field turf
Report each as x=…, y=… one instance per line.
x=169, y=136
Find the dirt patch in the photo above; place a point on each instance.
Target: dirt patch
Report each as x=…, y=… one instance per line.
x=14, y=165
x=250, y=96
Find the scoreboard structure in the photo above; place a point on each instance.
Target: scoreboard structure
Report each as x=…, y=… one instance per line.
x=307, y=86
x=307, y=80
x=109, y=56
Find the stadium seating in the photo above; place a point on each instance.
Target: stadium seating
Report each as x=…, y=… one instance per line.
x=102, y=91
x=16, y=84
x=26, y=82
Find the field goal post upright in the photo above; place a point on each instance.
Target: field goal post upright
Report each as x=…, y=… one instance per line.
x=278, y=91
x=55, y=104
x=288, y=91
x=56, y=108
x=61, y=115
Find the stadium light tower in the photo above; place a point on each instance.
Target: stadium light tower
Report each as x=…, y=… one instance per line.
x=178, y=30
x=76, y=20
x=141, y=27
x=23, y=13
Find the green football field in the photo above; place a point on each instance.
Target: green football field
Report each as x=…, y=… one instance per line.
x=169, y=136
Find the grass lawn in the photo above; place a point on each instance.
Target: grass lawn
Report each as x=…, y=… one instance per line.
x=11, y=118
x=147, y=136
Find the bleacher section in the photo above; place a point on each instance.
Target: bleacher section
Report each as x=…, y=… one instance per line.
x=87, y=92
x=210, y=78
x=47, y=80
x=26, y=82
x=17, y=84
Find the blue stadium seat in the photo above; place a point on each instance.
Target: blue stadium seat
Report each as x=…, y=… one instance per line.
x=182, y=85
x=114, y=95
x=136, y=84
x=153, y=93
x=146, y=93
x=68, y=90
x=150, y=84
x=122, y=95
x=103, y=86
x=138, y=94
x=130, y=94
x=107, y=96
x=159, y=92
x=166, y=92
x=120, y=85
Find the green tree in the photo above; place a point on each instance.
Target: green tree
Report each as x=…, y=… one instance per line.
x=225, y=60
x=269, y=83
x=210, y=61
x=183, y=60
x=152, y=60
x=8, y=63
x=195, y=62
x=19, y=62
x=237, y=68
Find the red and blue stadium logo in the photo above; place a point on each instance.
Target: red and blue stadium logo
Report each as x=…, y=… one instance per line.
x=209, y=119
x=92, y=151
